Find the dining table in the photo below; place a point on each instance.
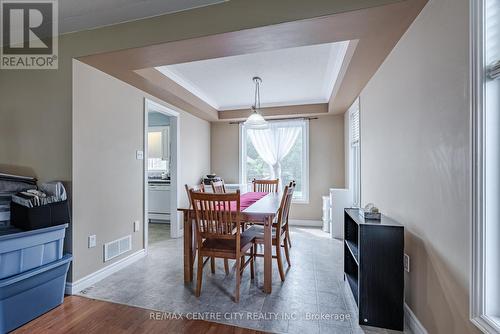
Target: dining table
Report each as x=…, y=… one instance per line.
x=256, y=208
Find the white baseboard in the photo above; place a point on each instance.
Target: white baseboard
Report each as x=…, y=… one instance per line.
x=83, y=283
x=412, y=321
x=305, y=222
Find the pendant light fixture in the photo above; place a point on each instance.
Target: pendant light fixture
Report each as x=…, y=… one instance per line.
x=255, y=120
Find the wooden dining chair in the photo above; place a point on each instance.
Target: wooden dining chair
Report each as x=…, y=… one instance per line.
x=218, y=187
x=290, y=184
x=278, y=231
x=218, y=218
x=201, y=188
x=197, y=188
x=268, y=186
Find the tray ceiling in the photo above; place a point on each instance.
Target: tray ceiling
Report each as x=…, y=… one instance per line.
x=293, y=76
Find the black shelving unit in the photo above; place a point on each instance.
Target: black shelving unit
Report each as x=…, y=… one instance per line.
x=373, y=268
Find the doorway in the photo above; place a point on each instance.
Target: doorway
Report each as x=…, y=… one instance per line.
x=161, y=166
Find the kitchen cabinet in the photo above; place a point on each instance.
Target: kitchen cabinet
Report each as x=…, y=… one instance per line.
x=159, y=201
x=159, y=163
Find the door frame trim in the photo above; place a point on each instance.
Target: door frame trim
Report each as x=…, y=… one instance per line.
x=175, y=228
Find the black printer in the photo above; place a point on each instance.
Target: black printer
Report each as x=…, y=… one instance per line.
x=207, y=180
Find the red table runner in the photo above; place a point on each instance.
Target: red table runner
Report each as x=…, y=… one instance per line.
x=248, y=199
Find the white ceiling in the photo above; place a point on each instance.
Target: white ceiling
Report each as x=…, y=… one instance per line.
x=76, y=15
x=295, y=76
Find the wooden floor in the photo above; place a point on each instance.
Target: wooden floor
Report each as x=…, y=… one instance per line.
x=84, y=315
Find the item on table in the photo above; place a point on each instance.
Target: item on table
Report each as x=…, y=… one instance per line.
x=371, y=212
x=207, y=180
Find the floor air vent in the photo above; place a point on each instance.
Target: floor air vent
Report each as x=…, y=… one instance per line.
x=117, y=247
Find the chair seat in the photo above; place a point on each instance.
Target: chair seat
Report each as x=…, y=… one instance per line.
x=258, y=231
x=261, y=224
x=229, y=245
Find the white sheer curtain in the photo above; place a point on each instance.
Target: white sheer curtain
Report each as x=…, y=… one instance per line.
x=274, y=143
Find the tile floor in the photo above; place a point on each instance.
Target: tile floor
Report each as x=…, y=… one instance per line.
x=314, y=285
x=158, y=232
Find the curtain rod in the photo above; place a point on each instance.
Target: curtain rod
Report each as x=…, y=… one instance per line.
x=279, y=119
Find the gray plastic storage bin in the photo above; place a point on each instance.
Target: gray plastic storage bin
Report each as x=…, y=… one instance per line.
x=28, y=295
x=21, y=251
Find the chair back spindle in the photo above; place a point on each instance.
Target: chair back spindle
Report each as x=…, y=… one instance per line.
x=196, y=188
x=268, y=186
x=218, y=187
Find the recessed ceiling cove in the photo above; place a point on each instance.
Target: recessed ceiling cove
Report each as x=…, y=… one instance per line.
x=294, y=76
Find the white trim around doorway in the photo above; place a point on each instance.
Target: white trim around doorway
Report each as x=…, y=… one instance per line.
x=175, y=221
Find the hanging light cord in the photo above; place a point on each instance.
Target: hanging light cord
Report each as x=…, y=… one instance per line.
x=257, y=95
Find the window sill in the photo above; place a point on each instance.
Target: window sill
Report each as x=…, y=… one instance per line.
x=487, y=324
x=300, y=201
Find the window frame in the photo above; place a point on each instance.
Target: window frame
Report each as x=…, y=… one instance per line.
x=165, y=133
x=305, y=156
x=355, y=155
x=478, y=294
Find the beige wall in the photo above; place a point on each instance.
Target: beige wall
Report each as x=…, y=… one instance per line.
x=195, y=152
x=326, y=164
x=326, y=146
x=108, y=128
x=415, y=159
x=225, y=150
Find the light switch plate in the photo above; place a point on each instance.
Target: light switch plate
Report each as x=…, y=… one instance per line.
x=137, y=226
x=139, y=155
x=92, y=241
x=406, y=262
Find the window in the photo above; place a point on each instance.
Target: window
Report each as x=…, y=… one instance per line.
x=485, y=277
x=281, y=151
x=355, y=154
x=157, y=165
x=158, y=149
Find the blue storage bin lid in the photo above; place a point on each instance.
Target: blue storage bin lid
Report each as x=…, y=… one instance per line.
x=11, y=232
x=27, y=274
